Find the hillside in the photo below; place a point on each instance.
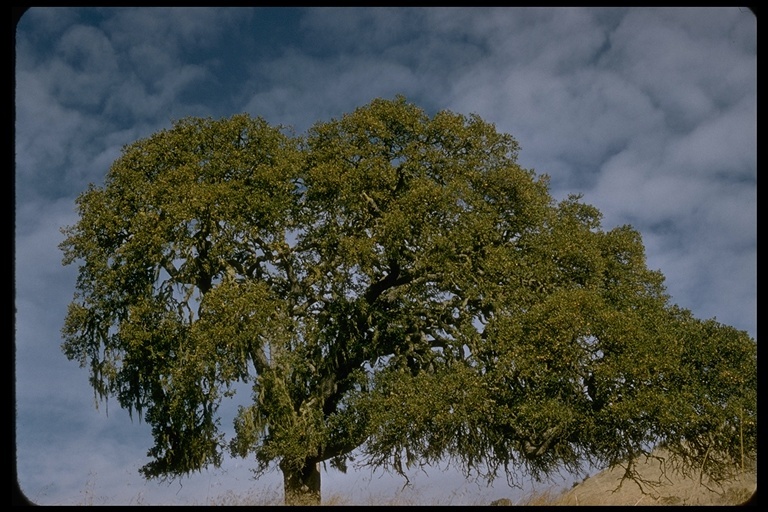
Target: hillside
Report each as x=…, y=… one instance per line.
x=665, y=488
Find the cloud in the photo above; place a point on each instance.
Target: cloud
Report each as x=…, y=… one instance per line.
x=658, y=176
x=721, y=147
x=671, y=54
x=43, y=132
x=84, y=66
x=324, y=88
x=42, y=289
x=178, y=32
x=79, y=103
x=362, y=29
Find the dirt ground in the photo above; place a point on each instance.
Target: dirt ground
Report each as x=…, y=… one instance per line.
x=668, y=488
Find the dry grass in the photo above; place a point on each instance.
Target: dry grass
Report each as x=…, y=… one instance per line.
x=262, y=499
x=734, y=495
x=663, y=486
x=600, y=489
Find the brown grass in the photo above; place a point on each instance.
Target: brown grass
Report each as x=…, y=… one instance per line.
x=604, y=488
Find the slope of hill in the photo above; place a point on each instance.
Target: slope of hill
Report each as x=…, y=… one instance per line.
x=665, y=487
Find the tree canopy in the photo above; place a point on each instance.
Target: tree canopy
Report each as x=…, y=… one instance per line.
x=391, y=282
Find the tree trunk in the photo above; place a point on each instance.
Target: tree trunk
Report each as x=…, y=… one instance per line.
x=302, y=487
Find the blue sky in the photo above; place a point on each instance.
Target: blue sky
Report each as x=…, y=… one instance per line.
x=650, y=113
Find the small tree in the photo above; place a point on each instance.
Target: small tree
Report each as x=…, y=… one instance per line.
x=392, y=282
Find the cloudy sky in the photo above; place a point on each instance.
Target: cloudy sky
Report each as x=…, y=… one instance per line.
x=650, y=113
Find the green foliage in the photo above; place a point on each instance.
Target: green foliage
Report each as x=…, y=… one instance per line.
x=390, y=281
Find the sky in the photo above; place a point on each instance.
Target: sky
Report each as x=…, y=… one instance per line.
x=649, y=113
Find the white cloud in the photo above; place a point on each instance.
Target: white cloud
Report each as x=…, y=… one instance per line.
x=43, y=126
x=308, y=90
x=723, y=146
x=84, y=67
x=671, y=54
